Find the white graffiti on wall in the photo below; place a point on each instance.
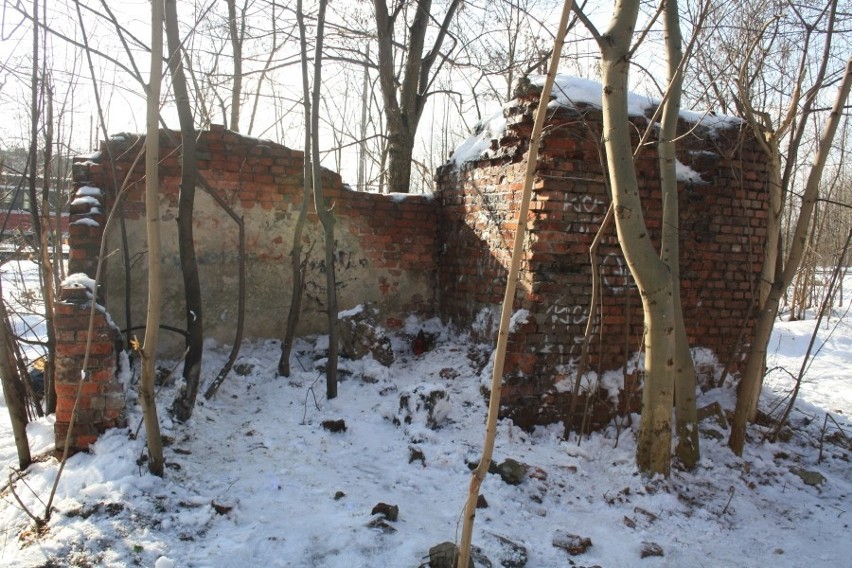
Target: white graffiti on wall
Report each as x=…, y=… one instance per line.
x=567, y=315
x=586, y=204
x=614, y=273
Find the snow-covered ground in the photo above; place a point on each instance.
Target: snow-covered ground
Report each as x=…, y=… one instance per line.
x=254, y=479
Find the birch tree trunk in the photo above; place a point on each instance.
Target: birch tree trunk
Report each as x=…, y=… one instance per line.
x=152, y=217
x=652, y=275
x=686, y=412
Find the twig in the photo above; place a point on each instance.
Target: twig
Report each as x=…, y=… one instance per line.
x=730, y=498
x=590, y=323
x=37, y=520
x=312, y=393
x=822, y=437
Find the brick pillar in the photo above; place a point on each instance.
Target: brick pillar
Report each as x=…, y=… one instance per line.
x=87, y=218
x=102, y=400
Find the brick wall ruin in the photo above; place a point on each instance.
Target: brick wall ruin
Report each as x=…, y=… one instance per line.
x=386, y=245
x=722, y=234
x=446, y=255
x=102, y=394
x=386, y=248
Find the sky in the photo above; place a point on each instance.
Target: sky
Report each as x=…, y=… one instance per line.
x=446, y=121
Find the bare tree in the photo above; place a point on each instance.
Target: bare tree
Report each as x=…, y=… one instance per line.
x=752, y=379
x=773, y=72
x=326, y=217
x=404, y=93
x=297, y=264
x=152, y=217
x=684, y=369
x=654, y=275
x=325, y=214
x=236, y=30
x=185, y=399
x=13, y=388
x=38, y=203
x=501, y=42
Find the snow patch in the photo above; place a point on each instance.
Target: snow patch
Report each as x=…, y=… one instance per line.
x=351, y=312
x=686, y=174
x=710, y=119
x=569, y=91
x=612, y=382
x=518, y=319
x=80, y=280
x=490, y=128
x=485, y=322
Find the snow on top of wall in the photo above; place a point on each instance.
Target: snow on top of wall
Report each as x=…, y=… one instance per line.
x=89, y=191
x=570, y=91
x=490, y=128
x=400, y=197
x=79, y=280
x=710, y=119
x=86, y=200
x=92, y=158
x=86, y=221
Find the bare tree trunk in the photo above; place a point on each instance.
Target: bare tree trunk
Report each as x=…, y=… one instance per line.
x=34, y=116
x=236, y=34
x=652, y=275
x=325, y=215
x=46, y=262
x=152, y=216
x=509, y=296
x=296, y=253
x=835, y=283
x=404, y=97
x=772, y=248
x=41, y=229
x=365, y=106
x=185, y=400
x=686, y=412
x=400, y=156
x=752, y=379
x=13, y=389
